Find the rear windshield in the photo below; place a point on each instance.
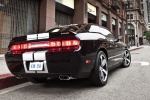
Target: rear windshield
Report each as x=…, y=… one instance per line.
x=73, y=28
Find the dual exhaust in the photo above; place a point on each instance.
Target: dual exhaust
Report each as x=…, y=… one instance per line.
x=18, y=76
x=61, y=77
x=65, y=77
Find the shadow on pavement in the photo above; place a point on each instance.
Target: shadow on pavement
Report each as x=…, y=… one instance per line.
x=76, y=83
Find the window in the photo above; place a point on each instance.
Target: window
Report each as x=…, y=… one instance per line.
x=142, y=6
x=73, y=28
x=131, y=5
x=102, y=31
x=131, y=16
x=127, y=6
x=94, y=28
x=107, y=33
x=128, y=17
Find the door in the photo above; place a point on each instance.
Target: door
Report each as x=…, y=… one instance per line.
x=118, y=53
x=110, y=45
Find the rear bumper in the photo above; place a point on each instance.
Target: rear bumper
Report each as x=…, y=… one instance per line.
x=71, y=63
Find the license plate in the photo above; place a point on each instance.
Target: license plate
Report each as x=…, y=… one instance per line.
x=36, y=66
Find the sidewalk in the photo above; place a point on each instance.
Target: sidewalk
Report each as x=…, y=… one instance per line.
x=7, y=79
x=3, y=69
x=135, y=48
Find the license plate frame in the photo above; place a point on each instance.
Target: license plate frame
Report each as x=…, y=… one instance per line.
x=36, y=66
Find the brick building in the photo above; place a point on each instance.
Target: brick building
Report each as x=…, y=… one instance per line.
x=22, y=17
x=137, y=22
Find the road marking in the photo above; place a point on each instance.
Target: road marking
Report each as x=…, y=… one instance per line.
x=142, y=63
x=13, y=88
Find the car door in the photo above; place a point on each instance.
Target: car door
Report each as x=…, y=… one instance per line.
x=110, y=45
x=106, y=43
x=118, y=53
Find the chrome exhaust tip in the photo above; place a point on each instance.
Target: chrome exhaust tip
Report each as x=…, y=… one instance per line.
x=64, y=77
x=18, y=76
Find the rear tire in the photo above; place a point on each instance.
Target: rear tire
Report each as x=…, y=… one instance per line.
x=126, y=59
x=37, y=80
x=99, y=74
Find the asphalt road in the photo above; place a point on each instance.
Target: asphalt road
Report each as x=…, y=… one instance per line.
x=131, y=83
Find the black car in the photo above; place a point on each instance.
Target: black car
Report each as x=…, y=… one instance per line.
x=68, y=52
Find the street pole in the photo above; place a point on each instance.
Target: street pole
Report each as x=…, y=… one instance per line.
x=128, y=44
x=131, y=34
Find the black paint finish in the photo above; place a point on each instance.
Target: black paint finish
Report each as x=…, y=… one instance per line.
x=69, y=63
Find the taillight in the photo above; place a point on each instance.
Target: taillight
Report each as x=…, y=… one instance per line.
x=25, y=46
x=15, y=47
x=35, y=45
x=66, y=43
x=52, y=46
x=55, y=43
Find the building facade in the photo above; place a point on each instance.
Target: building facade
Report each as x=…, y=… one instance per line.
x=148, y=12
x=136, y=22
x=22, y=17
x=17, y=18
x=144, y=11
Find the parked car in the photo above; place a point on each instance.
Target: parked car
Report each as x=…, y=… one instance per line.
x=68, y=52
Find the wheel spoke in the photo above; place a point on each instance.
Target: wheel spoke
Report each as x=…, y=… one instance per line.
x=125, y=61
x=103, y=62
x=126, y=58
x=127, y=55
x=104, y=71
x=128, y=61
x=102, y=75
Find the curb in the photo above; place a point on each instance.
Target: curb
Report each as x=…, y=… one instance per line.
x=136, y=48
x=1, y=55
x=8, y=80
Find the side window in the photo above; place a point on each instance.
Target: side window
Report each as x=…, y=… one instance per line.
x=107, y=33
x=94, y=28
x=103, y=31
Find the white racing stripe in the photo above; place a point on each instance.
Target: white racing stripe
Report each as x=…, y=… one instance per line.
x=13, y=88
x=27, y=56
x=35, y=56
x=38, y=36
x=32, y=37
x=40, y=55
x=43, y=35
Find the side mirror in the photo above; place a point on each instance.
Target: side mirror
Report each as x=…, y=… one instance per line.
x=120, y=37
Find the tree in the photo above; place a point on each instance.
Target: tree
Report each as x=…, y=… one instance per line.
x=146, y=35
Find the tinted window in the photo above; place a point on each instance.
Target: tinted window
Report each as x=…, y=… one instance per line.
x=73, y=28
x=107, y=33
x=94, y=28
x=103, y=31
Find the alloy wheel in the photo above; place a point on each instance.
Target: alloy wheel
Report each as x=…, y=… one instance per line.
x=127, y=58
x=103, y=71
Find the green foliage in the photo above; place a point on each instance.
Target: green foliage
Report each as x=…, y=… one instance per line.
x=146, y=35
